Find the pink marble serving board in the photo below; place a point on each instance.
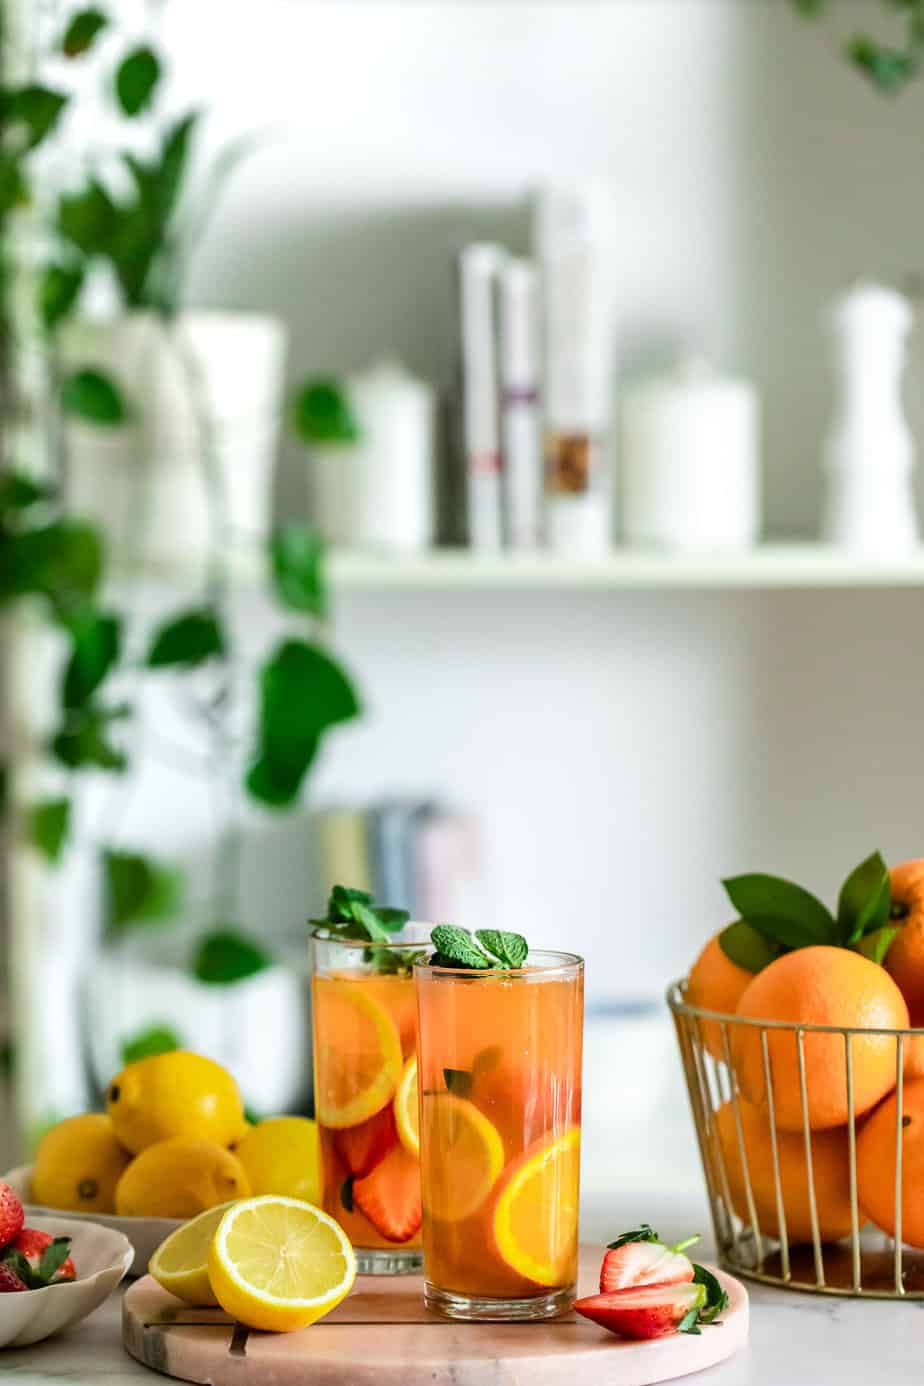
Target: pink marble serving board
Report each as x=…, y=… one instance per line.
x=382, y=1334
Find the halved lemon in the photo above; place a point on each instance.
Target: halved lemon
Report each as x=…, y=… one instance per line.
x=407, y=1115
x=279, y=1264
x=180, y=1263
x=358, y=1055
x=535, y=1218
x=465, y=1155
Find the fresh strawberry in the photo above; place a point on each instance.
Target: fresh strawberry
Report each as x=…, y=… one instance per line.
x=389, y=1196
x=650, y=1312
x=641, y=1258
x=362, y=1147
x=12, y=1216
x=9, y=1280
x=39, y=1259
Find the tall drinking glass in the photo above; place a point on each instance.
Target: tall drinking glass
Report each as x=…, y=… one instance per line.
x=364, y=1012
x=500, y=1128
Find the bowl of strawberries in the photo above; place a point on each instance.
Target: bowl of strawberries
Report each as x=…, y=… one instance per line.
x=53, y=1272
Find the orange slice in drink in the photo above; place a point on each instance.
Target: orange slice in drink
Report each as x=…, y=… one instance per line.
x=358, y=1062
x=407, y=1116
x=535, y=1218
x=465, y=1157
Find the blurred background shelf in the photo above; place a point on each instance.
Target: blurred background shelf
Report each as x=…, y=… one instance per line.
x=771, y=566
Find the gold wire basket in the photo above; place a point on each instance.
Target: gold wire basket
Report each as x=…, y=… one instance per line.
x=769, y=1226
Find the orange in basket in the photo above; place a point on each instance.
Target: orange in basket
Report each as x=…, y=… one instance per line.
x=830, y=1171
x=716, y=983
x=819, y=986
x=877, y=1144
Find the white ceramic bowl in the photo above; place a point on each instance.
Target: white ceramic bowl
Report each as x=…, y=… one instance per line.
x=144, y=1234
x=102, y=1257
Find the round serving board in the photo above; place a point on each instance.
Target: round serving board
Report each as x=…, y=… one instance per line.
x=382, y=1334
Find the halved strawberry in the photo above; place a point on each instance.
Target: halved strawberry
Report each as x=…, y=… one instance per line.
x=40, y=1259
x=650, y=1312
x=9, y=1280
x=362, y=1147
x=641, y=1258
x=389, y=1195
x=12, y=1216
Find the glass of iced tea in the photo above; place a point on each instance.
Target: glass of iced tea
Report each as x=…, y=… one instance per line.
x=364, y=1012
x=500, y=1112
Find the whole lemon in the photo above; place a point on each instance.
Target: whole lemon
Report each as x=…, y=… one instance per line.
x=78, y=1164
x=178, y=1179
x=282, y=1156
x=175, y=1094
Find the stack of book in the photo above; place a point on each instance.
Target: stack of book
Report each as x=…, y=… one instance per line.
x=411, y=854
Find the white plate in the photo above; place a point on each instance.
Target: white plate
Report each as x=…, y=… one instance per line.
x=102, y=1257
x=144, y=1234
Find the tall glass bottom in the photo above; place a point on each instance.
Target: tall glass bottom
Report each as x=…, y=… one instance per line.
x=479, y=1308
x=370, y=1261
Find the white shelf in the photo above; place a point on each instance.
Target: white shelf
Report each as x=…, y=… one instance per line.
x=794, y=566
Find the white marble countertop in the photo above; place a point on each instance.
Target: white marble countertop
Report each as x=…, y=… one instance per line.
x=796, y=1339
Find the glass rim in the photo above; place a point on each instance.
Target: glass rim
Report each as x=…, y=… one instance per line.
x=563, y=963
x=321, y=933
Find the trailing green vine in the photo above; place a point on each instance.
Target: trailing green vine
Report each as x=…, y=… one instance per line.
x=888, y=66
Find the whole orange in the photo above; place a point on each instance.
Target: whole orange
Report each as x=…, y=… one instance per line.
x=715, y=983
x=830, y=1170
x=905, y=959
x=876, y=1150
x=819, y=986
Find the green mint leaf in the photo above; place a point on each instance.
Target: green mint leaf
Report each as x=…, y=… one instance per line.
x=394, y=962
x=49, y=824
x=346, y=1194
x=689, y=1323
x=323, y=414
x=865, y=899
x=367, y=917
x=715, y=1297
x=53, y=1258
x=743, y=945
x=781, y=910
x=458, y=946
x=297, y=553
x=136, y=79
x=876, y=945
x=155, y=1039
x=509, y=949
x=640, y=1234
x=187, y=640
x=458, y=1081
x=227, y=956
x=391, y=919
x=81, y=31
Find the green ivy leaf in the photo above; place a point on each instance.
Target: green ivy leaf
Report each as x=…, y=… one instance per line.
x=35, y=108
x=138, y=890
x=61, y=561
x=810, y=9
x=49, y=825
x=188, y=640
x=876, y=945
x=18, y=491
x=781, y=910
x=136, y=80
x=154, y=1039
x=323, y=414
x=58, y=290
x=297, y=553
x=93, y=396
x=889, y=69
x=509, y=949
x=95, y=642
x=83, y=28
x=747, y=948
x=865, y=899
x=13, y=189
x=87, y=219
x=83, y=743
x=303, y=693
x=227, y=956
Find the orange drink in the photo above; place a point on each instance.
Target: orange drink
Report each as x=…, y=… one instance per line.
x=500, y=1113
x=365, y=1084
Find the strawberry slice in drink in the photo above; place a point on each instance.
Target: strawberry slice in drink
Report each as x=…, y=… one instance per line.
x=389, y=1196
x=362, y=1147
x=649, y=1312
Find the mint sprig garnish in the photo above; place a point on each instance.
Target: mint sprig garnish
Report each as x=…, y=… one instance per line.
x=353, y=915
x=777, y=916
x=494, y=948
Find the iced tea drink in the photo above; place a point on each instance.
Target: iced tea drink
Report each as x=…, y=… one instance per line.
x=500, y=1113
x=365, y=1083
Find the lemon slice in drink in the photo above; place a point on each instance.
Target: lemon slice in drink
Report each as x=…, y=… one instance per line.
x=535, y=1219
x=279, y=1264
x=180, y=1264
x=466, y=1155
x=358, y=1062
x=407, y=1116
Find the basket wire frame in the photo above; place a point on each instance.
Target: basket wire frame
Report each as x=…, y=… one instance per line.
x=872, y=1265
